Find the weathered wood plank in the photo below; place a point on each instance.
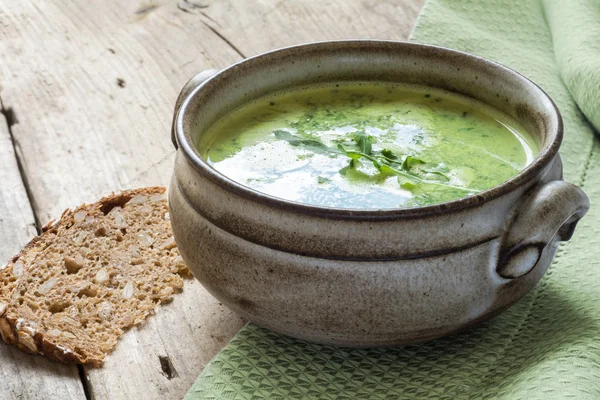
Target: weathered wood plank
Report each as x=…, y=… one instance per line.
x=94, y=105
x=261, y=25
x=17, y=223
x=93, y=85
x=169, y=351
x=24, y=376
x=95, y=100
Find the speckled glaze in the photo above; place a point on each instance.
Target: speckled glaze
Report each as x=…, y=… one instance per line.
x=369, y=277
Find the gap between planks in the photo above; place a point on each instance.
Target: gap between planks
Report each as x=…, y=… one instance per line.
x=176, y=44
x=10, y=117
x=193, y=8
x=24, y=376
x=85, y=383
x=139, y=46
x=216, y=32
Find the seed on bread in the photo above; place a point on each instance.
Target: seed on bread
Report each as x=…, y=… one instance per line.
x=105, y=310
x=6, y=331
x=101, y=277
x=73, y=264
x=68, y=335
x=90, y=275
x=46, y=286
x=127, y=291
x=17, y=269
x=168, y=244
x=26, y=340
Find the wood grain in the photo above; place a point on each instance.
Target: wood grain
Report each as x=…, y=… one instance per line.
x=95, y=100
x=92, y=85
x=94, y=104
x=163, y=358
x=17, y=223
x=257, y=26
x=23, y=375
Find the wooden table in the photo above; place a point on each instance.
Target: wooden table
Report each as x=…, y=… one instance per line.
x=87, y=91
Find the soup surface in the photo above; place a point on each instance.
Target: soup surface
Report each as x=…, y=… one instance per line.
x=367, y=145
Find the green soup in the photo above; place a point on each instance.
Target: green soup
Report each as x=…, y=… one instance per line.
x=367, y=145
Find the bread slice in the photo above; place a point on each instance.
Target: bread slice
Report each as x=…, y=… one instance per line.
x=95, y=272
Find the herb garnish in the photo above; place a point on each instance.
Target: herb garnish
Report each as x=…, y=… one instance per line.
x=364, y=143
x=388, y=154
x=308, y=143
x=411, y=171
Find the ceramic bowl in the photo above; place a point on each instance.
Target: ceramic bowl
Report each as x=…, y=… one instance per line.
x=358, y=277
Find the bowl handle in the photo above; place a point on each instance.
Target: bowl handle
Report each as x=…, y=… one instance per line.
x=552, y=209
x=192, y=84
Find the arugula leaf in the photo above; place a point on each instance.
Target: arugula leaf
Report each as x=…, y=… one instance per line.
x=389, y=154
x=364, y=143
x=351, y=165
x=308, y=143
x=356, y=155
x=383, y=168
x=441, y=167
x=438, y=170
x=446, y=177
x=406, y=184
x=344, y=171
x=285, y=135
x=410, y=173
x=406, y=176
x=410, y=162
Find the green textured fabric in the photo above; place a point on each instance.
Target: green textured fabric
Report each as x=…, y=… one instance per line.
x=576, y=35
x=547, y=346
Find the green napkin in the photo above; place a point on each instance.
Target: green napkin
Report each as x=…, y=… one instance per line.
x=575, y=28
x=547, y=346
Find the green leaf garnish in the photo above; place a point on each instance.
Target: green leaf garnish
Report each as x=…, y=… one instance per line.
x=389, y=154
x=308, y=143
x=406, y=176
x=440, y=174
x=410, y=173
x=419, y=166
x=441, y=167
x=356, y=155
x=364, y=143
x=406, y=184
x=433, y=171
x=410, y=162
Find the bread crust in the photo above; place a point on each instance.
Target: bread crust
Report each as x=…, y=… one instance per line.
x=28, y=336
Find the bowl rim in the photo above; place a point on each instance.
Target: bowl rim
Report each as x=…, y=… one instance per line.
x=542, y=159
